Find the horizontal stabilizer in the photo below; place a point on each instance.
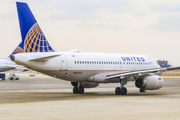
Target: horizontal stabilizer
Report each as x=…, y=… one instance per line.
x=45, y=58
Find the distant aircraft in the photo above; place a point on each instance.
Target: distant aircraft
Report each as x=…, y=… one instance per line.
x=6, y=64
x=83, y=69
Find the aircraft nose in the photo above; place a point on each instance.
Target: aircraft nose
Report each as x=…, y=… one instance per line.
x=12, y=57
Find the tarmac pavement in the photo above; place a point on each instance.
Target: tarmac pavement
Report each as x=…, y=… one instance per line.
x=42, y=97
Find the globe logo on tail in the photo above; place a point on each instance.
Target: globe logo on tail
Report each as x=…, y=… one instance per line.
x=35, y=41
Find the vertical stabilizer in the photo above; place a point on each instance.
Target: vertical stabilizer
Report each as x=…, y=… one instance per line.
x=33, y=39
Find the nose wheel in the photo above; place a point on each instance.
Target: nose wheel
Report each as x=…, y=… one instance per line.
x=142, y=90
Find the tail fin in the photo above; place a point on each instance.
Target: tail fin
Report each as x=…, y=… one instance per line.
x=33, y=39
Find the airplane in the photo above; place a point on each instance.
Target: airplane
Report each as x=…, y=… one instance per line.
x=84, y=69
x=6, y=64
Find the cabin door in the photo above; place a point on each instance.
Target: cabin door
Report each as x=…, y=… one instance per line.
x=63, y=63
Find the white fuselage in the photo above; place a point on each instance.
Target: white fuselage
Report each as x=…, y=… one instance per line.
x=6, y=64
x=82, y=66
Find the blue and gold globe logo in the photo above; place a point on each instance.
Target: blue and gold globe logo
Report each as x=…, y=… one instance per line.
x=35, y=41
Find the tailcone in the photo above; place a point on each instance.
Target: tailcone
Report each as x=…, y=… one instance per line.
x=12, y=58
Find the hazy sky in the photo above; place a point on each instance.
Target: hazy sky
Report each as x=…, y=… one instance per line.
x=150, y=27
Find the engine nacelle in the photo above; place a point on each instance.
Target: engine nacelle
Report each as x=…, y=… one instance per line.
x=150, y=82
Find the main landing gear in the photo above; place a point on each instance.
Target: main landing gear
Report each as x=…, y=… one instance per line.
x=121, y=90
x=78, y=88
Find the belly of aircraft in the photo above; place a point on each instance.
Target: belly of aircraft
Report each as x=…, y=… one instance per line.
x=77, y=76
x=80, y=76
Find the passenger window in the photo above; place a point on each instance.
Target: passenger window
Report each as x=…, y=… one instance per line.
x=75, y=62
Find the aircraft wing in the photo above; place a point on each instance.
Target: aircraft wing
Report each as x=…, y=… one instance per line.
x=21, y=68
x=139, y=73
x=172, y=68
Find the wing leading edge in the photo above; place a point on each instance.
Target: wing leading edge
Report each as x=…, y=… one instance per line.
x=139, y=73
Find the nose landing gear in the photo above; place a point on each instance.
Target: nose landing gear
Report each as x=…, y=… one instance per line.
x=142, y=90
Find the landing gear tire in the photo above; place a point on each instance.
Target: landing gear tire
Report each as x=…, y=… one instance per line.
x=75, y=90
x=3, y=78
x=81, y=90
x=124, y=91
x=118, y=91
x=142, y=90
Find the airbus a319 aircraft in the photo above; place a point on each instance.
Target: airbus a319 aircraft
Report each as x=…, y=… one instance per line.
x=83, y=69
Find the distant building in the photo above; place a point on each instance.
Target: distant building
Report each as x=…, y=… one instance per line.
x=163, y=63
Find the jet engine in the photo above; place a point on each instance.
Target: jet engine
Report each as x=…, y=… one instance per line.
x=154, y=82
